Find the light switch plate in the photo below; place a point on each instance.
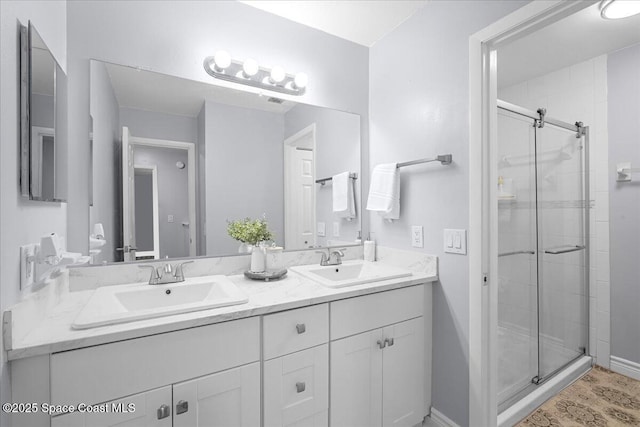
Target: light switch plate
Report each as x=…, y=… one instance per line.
x=27, y=265
x=169, y=218
x=417, y=240
x=321, y=229
x=455, y=241
x=336, y=229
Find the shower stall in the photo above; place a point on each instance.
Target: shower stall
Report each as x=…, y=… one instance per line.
x=543, y=254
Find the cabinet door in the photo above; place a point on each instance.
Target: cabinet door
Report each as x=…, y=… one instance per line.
x=150, y=409
x=403, y=374
x=226, y=399
x=296, y=388
x=356, y=380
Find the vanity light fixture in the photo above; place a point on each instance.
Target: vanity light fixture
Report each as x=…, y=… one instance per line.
x=222, y=66
x=617, y=9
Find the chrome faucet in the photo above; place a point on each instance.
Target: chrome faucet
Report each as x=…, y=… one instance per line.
x=166, y=273
x=326, y=259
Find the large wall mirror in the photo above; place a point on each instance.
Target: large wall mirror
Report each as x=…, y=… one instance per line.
x=42, y=97
x=175, y=160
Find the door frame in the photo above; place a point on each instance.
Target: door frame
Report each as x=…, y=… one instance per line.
x=288, y=148
x=191, y=177
x=155, y=253
x=483, y=215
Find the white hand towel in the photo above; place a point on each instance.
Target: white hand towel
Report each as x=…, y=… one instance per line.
x=343, y=200
x=384, y=192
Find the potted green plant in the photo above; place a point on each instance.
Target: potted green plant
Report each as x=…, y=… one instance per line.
x=251, y=233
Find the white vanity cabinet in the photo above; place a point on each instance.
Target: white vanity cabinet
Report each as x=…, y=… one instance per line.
x=379, y=373
x=296, y=367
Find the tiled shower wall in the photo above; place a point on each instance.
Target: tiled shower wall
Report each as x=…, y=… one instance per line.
x=579, y=93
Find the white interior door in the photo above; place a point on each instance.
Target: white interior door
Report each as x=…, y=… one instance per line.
x=128, y=198
x=300, y=197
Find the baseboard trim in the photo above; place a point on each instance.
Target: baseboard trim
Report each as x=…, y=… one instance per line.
x=625, y=367
x=441, y=419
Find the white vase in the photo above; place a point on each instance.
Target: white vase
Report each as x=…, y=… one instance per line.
x=244, y=248
x=257, y=260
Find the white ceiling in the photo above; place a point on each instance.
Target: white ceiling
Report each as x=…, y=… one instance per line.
x=138, y=89
x=579, y=37
x=360, y=21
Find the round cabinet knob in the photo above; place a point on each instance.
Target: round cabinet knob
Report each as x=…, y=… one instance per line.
x=301, y=328
x=182, y=407
x=163, y=411
x=382, y=344
x=300, y=387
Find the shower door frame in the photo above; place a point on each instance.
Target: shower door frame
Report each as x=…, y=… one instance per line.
x=483, y=244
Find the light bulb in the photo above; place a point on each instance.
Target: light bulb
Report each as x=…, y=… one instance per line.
x=612, y=9
x=250, y=68
x=301, y=80
x=221, y=60
x=277, y=75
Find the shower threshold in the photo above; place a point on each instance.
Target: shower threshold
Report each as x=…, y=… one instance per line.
x=518, y=407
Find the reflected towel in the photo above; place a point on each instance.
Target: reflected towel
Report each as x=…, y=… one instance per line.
x=384, y=191
x=343, y=200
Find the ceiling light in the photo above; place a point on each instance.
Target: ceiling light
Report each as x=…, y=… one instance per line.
x=617, y=9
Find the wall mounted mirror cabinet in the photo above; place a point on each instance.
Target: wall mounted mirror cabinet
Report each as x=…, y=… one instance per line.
x=174, y=160
x=43, y=106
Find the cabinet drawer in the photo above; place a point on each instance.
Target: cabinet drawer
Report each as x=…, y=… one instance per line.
x=354, y=315
x=295, y=330
x=296, y=388
x=106, y=372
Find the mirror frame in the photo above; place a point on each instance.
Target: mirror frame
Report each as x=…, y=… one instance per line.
x=26, y=152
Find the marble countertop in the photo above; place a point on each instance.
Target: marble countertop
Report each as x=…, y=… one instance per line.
x=53, y=333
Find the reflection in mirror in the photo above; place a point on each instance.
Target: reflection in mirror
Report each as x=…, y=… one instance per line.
x=41, y=149
x=174, y=161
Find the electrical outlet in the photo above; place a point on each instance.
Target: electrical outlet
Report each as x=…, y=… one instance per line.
x=336, y=229
x=417, y=240
x=27, y=265
x=169, y=218
x=455, y=241
x=321, y=229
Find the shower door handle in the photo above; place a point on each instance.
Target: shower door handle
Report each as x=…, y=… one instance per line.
x=564, y=249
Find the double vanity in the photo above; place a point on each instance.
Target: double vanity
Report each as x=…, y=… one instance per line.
x=344, y=345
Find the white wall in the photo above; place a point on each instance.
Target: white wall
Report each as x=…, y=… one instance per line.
x=419, y=108
x=337, y=151
x=177, y=39
x=22, y=221
x=624, y=146
x=575, y=93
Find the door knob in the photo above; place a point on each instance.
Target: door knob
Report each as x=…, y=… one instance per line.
x=182, y=407
x=163, y=411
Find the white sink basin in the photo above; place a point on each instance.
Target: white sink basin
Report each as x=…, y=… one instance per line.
x=350, y=273
x=125, y=303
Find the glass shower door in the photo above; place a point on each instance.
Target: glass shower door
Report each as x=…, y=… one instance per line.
x=562, y=254
x=517, y=266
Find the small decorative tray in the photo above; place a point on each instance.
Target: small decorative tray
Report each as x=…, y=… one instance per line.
x=266, y=275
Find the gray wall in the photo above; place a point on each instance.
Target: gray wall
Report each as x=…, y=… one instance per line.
x=201, y=187
x=42, y=110
x=624, y=202
x=337, y=150
x=107, y=149
x=144, y=210
x=173, y=197
x=244, y=171
x=49, y=17
x=121, y=32
x=422, y=113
